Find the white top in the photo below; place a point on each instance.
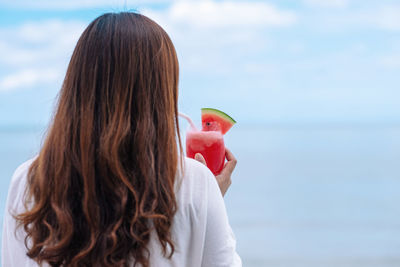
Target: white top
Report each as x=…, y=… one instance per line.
x=200, y=230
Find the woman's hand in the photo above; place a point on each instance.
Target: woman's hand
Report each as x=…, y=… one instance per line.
x=224, y=178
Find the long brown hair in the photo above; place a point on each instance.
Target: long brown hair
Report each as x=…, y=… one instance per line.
x=104, y=178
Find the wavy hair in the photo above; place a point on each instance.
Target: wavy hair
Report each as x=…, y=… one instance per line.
x=103, y=181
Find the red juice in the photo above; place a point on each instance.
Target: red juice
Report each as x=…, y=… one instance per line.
x=210, y=144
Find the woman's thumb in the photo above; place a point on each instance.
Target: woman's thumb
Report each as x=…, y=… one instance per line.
x=199, y=157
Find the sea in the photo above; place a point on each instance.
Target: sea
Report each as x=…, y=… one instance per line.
x=301, y=196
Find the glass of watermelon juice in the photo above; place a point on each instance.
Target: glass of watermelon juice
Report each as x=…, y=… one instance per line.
x=209, y=141
x=210, y=144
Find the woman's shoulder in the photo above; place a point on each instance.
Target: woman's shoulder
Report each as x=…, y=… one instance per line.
x=193, y=167
x=18, y=182
x=195, y=173
x=193, y=183
x=22, y=169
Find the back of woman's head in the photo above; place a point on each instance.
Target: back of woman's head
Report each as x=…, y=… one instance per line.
x=104, y=178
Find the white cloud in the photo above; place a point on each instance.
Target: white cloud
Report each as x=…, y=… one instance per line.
x=387, y=17
x=211, y=35
x=390, y=61
x=212, y=14
x=383, y=17
x=74, y=4
x=194, y=25
x=35, y=42
x=45, y=31
x=377, y=17
x=36, y=53
x=29, y=78
x=327, y=3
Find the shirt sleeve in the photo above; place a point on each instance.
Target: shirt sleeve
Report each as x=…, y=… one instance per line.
x=220, y=242
x=13, y=239
x=13, y=248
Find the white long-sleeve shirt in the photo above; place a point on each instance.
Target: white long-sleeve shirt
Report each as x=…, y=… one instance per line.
x=200, y=230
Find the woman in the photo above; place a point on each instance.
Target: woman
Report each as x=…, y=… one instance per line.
x=109, y=187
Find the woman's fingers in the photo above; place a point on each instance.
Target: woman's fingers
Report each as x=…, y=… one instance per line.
x=230, y=164
x=199, y=157
x=224, y=178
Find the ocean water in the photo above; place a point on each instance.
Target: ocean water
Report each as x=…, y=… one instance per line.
x=300, y=197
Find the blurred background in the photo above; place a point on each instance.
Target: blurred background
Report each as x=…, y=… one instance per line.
x=313, y=84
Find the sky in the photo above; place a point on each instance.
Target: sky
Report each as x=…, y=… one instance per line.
x=262, y=62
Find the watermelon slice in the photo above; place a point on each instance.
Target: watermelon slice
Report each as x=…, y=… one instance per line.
x=215, y=120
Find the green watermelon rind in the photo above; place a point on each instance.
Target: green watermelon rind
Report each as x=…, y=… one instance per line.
x=218, y=113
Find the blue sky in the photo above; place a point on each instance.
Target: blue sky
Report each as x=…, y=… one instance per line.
x=303, y=61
